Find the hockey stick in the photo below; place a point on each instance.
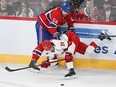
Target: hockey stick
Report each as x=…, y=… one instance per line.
x=12, y=70
x=103, y=32
x=96, y=35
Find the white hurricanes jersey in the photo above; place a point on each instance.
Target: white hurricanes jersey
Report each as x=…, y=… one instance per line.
x=61, y=46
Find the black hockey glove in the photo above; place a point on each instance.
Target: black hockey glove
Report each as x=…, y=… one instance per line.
x=71, y=29
x=56, y=35
x=103, y=35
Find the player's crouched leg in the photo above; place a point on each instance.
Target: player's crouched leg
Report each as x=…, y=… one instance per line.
x=91, y=47
x=69, y=63
x=55, y=58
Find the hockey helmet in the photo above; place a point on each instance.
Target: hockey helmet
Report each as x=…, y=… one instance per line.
x=47, y=45
x=65, y=6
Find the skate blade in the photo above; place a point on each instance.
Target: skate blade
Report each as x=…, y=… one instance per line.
x=33, y=70
x=71, y=77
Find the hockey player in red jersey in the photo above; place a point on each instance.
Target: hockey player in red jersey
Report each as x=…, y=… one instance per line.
x=48, y=22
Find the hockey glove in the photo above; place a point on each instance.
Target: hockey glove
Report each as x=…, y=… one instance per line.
x=102, y=36
x=71, y=29
x=33, y=65
x=45, y=64
x=56, y=35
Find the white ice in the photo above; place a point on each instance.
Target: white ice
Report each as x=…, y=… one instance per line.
x=54, y=77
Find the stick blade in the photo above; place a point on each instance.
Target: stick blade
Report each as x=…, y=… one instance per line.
x=8, y=69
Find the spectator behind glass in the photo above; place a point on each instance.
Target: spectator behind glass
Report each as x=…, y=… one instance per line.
x=15, y=4
x=107, y=13
x=75, y=4
x=24, y=10
x=113, y=4
x=43, y=5
x=5, y=9
x=113, y=15
x=91, y=11
x=99, y=4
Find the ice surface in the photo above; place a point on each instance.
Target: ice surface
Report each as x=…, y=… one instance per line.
x=54, y=77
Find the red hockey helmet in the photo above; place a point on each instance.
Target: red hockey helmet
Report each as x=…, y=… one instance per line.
x=47, y=45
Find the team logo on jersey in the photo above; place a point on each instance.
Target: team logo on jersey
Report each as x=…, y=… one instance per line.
x=55, y=21
x=62, y=44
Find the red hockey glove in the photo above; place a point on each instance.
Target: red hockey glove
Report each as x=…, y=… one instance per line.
x=45, y=64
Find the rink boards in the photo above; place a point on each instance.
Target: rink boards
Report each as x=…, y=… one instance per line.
x=18, y=39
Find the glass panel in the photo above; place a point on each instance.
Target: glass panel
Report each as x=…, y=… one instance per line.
x=97, y=10
x=26, y=8
x=92, y=10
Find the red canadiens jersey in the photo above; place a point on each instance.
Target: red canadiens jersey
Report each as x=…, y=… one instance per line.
x=54, y=18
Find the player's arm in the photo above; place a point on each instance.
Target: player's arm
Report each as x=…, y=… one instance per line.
x=52, y=28
x=69, y=20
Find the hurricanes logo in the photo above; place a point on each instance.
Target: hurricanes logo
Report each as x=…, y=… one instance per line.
x=62, y=44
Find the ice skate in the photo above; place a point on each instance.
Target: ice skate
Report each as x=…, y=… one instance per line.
x=70, y=74
x=33, y=65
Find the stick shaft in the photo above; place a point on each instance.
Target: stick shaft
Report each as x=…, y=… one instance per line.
x=96, y=35
x=11, y=70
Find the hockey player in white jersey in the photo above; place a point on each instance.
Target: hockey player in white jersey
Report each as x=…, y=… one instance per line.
x=53, y=47
x=69, y=46
x=62, y=47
